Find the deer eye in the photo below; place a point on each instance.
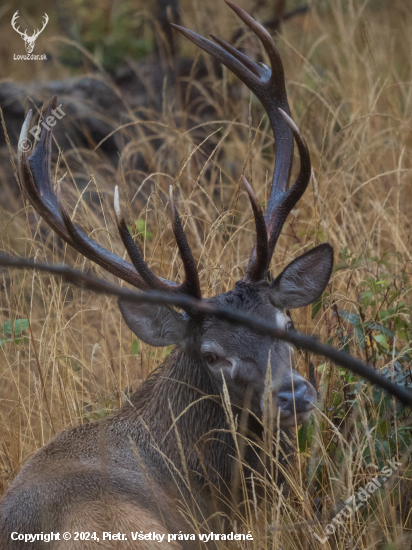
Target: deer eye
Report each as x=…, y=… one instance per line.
x=210, y=357
x=290, y=326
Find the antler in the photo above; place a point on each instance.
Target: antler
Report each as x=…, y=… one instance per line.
x=13, y=24
x=35, y=176
x=268, y=84
x=46, y=20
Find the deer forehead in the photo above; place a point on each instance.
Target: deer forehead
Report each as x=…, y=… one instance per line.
x=252, y=299
x=237, y=341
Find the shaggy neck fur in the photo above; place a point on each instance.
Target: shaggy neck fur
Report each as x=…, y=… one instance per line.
x=182, y=386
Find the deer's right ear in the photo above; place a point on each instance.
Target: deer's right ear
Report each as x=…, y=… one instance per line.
x=304, y=279
x=157, y=326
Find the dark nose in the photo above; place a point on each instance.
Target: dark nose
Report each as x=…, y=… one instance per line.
x=304, y=398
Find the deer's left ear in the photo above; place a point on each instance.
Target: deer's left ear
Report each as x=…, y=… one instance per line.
x=304, y=279
x=156, y=325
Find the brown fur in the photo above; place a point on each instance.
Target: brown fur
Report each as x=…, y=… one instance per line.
x=117, y=517
x=125, y=473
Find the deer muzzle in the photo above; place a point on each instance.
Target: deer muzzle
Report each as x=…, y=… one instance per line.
x=295, y=401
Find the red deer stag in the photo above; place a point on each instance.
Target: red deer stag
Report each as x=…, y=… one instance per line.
x=126, y=473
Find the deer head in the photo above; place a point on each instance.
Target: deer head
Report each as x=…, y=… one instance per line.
x=29, y=41
x=234, y=354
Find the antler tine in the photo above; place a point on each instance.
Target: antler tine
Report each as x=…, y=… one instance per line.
x=262, y=34
x=86, y=246
x=191, y=285
x=289, y=199
x=140, y=265
x=262, y=250
x=251, y=65
x=35, y=177
x=235, y=64
x=37, y=184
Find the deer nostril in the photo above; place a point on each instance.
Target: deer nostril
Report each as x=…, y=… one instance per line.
x=302, y=398
x=307, y=394
x=283, y=401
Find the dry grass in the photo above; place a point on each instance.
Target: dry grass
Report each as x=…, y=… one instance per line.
x=349, y=81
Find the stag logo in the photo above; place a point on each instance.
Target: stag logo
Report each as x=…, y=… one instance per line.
x=29, y=41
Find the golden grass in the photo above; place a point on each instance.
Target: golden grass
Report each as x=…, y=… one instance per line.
x=348, y=69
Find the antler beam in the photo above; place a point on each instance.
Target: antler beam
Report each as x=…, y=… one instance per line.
x=35, y=176
x=268, y=84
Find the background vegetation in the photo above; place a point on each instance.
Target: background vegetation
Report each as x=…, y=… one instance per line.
x=68, y=358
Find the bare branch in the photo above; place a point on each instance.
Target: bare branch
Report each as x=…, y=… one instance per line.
x=301, y=341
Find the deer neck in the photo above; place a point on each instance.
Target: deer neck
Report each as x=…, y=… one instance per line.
x=182, y=389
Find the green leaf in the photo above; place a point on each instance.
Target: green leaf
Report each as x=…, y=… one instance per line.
x=20, y=325
x=380, y=328
x=339, y=266
x=367, y=295
x=135, y=347
x=318, y=304
x=305, y=435
x=140, y=226
x=384, y=427
x=2, y=342
x=351, y=318
x=6, y=328
x=381, y=339
x=6, y=332
x=361, y=337
x=18, y=340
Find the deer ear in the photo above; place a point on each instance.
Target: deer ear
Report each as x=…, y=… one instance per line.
x=157, y=326
x=304, y=279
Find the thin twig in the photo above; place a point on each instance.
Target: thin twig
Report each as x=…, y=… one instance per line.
x=187, y=303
